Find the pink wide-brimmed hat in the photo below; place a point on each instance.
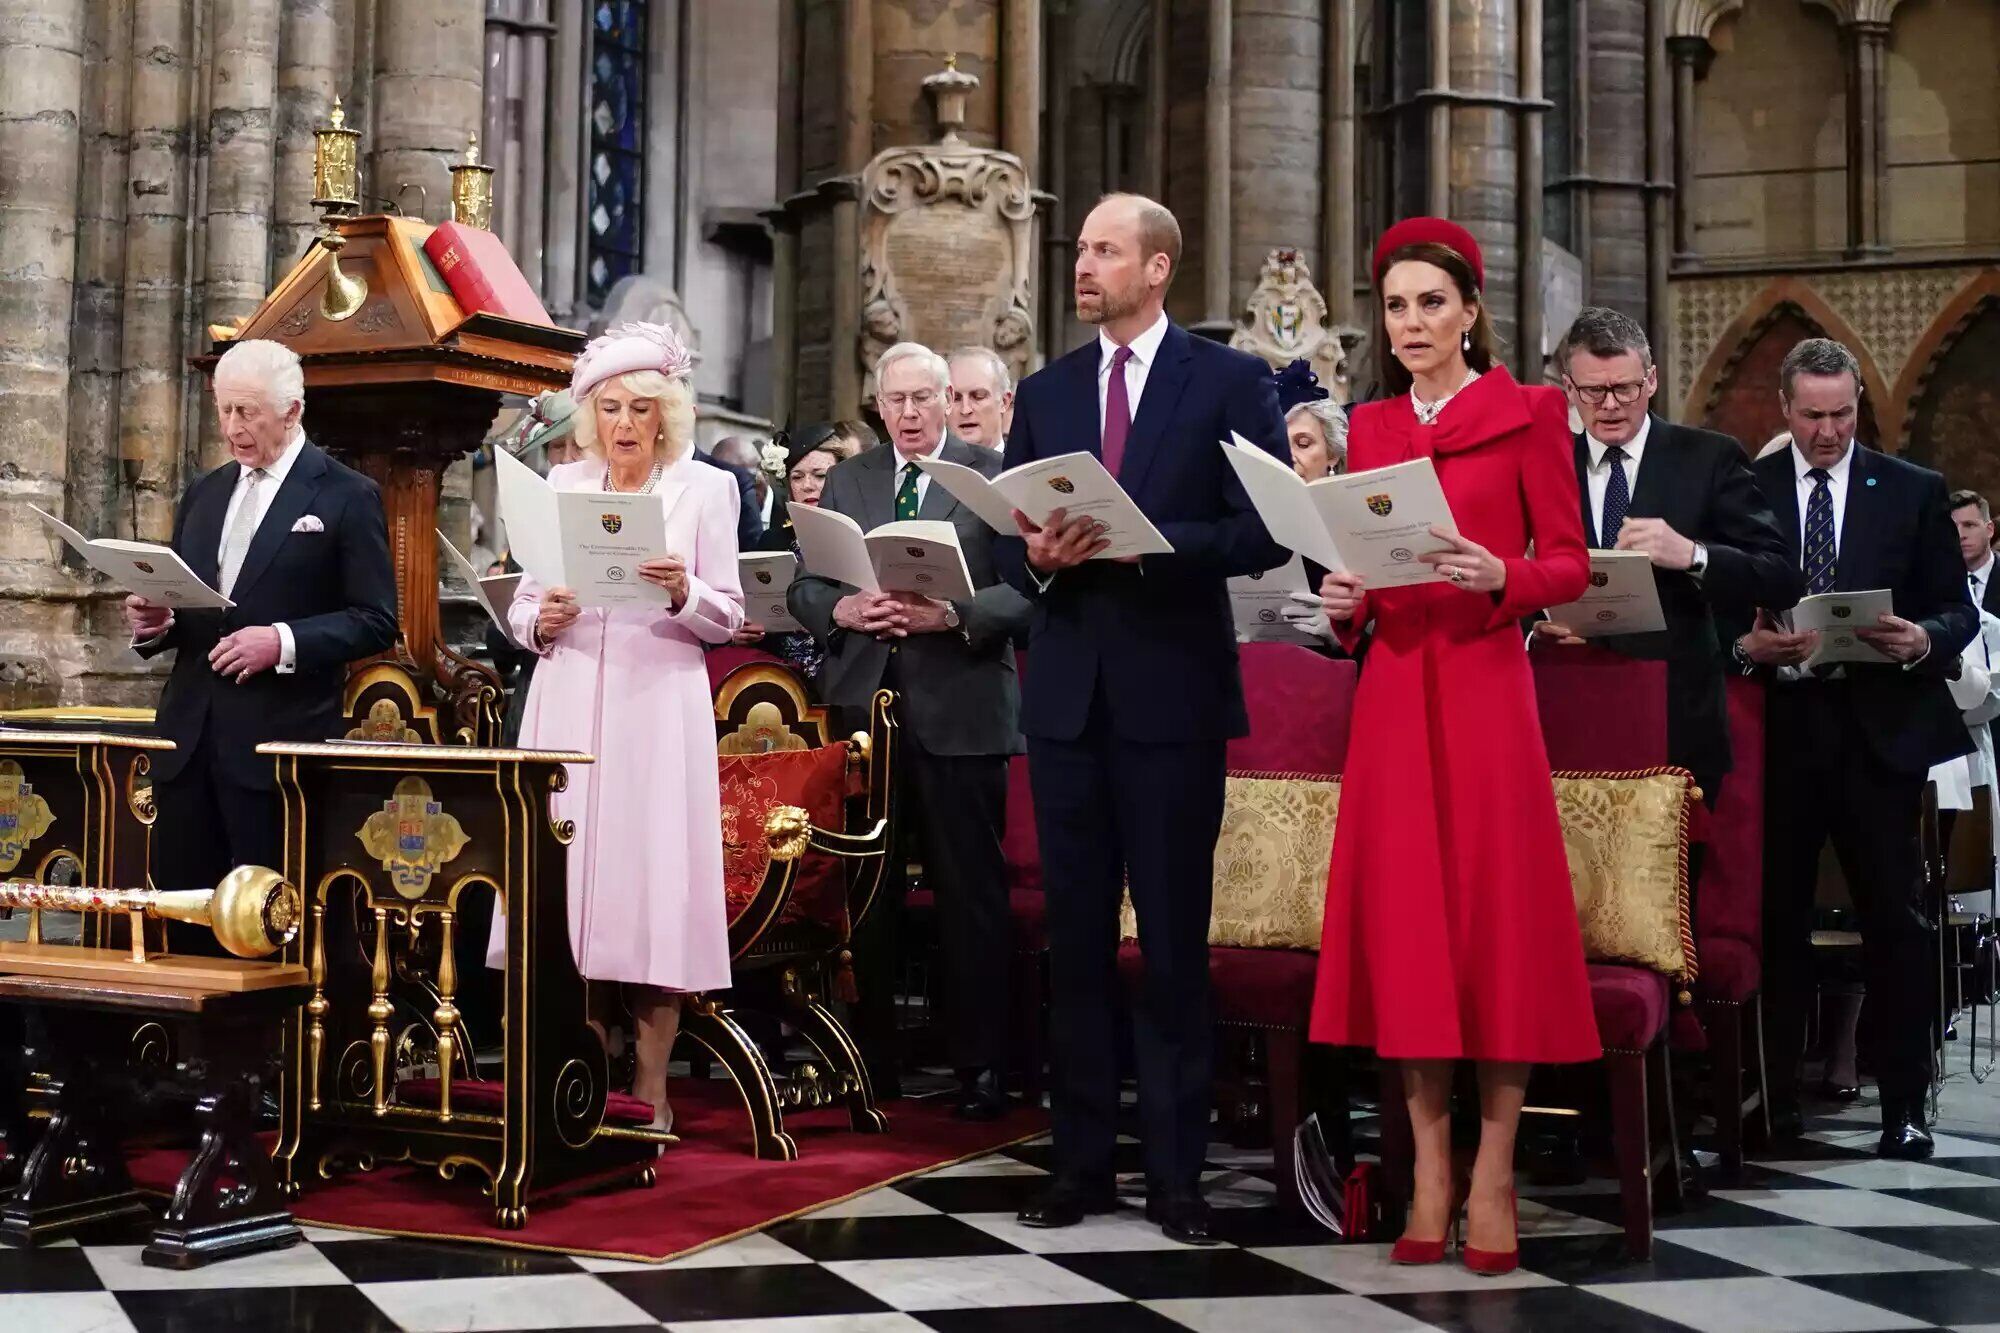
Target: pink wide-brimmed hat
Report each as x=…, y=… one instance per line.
x=627, y=348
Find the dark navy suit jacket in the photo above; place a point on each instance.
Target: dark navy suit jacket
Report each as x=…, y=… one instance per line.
x=1156, y=640
x=1896, y=533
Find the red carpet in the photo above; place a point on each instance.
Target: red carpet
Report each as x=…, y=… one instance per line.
x=710, y=1189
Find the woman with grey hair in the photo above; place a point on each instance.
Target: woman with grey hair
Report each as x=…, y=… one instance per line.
x=1315, y=425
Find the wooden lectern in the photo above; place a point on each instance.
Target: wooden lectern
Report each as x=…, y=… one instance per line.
x=401, y=383
x=385, y=841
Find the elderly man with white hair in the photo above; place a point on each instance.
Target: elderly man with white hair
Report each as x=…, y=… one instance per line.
x=299, y=543
x=958, y=701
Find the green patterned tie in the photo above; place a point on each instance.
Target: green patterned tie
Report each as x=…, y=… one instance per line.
x=906, y=493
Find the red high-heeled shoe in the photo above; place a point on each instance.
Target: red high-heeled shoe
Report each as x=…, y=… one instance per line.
x=1407, y=1251
x=1496, y=1263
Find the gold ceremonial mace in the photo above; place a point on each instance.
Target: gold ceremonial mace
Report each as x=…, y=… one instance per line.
x=254, y=912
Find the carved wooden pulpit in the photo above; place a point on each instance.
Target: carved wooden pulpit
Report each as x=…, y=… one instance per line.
x=400, y=383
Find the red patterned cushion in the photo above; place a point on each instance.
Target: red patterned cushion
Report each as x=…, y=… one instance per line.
x=1631, y=1005
x=1299, y=702
x=813, y=780
x=488, y=1097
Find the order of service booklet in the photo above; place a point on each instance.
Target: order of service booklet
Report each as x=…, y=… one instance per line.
x=1376, y=523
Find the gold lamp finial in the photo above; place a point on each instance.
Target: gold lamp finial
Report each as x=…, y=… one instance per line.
x=472, y=189
x=337, y=194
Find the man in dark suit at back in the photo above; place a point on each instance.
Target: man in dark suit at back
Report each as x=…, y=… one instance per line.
x=1850, y=746
x=1132, y=691
x=1972, y=517
x=952, y=667
x=1685, y=497
x=299, y=543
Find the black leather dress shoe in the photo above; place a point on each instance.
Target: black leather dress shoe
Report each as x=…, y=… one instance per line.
x=1787, y=1121
x=1840, y=1092
x=1066, y=1203
x=1185, y=1218
x=1904, y=1137
x=981, y=1096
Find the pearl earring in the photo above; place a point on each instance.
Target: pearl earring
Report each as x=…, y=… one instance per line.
x=1465, y=341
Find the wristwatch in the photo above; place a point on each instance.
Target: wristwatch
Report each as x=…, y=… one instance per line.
x=1699, y=564
x=950, y=616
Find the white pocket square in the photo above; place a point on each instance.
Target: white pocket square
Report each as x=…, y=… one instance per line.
x=309, y=523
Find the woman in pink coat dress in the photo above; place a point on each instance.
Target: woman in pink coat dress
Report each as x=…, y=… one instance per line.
x=628, y=685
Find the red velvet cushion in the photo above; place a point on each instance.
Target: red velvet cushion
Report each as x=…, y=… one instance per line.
x=815, y=781
x=1601, y=712
x=488, y=1098
x=1299, y=702
x=1630, y=1003
x=1729, y=901
x=1266, y=988
x=721, y=661
x=1730, y=970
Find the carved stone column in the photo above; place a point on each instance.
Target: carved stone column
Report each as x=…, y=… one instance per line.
x=1340, y=183
x=308, y=43
x=426, y=100
x=41, y=101
x=153, y=381
x=1867, y=135
x=1690, y=56
x=1459, y=123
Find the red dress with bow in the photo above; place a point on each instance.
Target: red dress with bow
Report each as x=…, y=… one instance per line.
x=1450, y=927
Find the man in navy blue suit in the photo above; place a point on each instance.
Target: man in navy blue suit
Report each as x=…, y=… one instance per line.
x=1849, y=747
x=1130, y=694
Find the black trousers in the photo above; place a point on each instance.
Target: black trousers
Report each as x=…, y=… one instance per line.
x=1109, y=809
x=207, y=826
x=956, y=807
x=1824, y=782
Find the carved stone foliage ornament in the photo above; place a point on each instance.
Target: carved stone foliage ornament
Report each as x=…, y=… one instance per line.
x=24, y=816
x=412, y=836
x=1286, y=320
x=947, y=236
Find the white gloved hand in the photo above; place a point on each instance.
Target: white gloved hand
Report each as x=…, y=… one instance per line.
x=1306, y=615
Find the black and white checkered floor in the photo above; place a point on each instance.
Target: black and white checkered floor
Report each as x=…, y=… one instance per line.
x=1825, y=1238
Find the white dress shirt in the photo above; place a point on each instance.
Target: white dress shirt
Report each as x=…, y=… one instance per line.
x=1145, y=351
x=1836, y=484
x=267, y=491
x=1597, y=474
x=923, y=478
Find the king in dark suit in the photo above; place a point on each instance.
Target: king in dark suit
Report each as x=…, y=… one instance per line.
x=952, y=667
x=1132, y=691
x=1684, y=497
x=1850, y=746
x=299, y=543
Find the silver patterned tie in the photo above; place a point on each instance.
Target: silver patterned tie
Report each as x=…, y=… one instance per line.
x=242, y=528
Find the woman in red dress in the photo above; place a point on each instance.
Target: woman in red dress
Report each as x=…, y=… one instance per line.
x=1450, y=929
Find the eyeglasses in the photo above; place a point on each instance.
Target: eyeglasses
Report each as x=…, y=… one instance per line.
x=1595, y=394
x=922, y=399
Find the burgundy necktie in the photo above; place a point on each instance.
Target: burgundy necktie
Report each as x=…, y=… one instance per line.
x=1117, y=412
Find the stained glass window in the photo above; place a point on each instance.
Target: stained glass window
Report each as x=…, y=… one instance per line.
x=617, y=142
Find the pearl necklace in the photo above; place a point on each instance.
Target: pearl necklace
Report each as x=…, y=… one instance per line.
x=652, y=480
x=1427, y=413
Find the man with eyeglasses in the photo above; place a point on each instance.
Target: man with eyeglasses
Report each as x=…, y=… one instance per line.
x=982, y=397
x=1687, y=499
x=951, y=665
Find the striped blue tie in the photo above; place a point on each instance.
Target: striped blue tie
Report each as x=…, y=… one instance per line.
x=1820, y=554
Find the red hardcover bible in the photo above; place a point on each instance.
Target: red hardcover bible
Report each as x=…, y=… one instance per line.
x=482, y=275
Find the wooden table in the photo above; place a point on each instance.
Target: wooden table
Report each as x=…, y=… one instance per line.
x=90, y=1034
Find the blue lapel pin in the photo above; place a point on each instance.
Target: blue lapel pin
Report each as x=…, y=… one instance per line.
x=1871, y=481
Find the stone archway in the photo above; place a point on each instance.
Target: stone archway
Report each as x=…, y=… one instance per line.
x=1955, y=415
x=1736, y=391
